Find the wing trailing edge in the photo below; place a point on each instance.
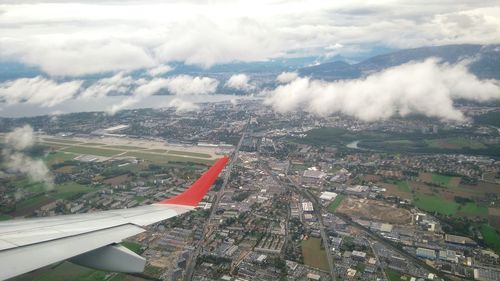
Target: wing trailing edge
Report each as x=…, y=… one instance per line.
x=195, y=193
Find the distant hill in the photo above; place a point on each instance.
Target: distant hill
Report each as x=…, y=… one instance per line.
x=486, y=64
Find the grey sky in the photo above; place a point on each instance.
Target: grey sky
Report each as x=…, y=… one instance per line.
x=72, y=38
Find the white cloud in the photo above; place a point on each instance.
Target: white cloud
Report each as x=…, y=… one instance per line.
x=426, y=88
x=69, y=38
x=161, y=69
x=240, y=82
x=119, y=84
x=189, y=85
x=183, y=105
x=38, y=90
x=177, y=85
x=17, y=161
x=35, y=169
x=286, y=77
x=20, y=138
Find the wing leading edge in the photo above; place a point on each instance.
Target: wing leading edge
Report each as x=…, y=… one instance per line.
x=39, y=242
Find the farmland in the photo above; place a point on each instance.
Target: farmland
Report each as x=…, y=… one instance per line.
x=433, y=203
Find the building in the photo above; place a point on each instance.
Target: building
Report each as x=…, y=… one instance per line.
x=313, y=276
x=351, y=273
x=426, y=253
x=358, y=189
x=448, y=255
x=328, y=196
x=459, y=240
x=357, y=255
x=307, y=207
x=314, y=174
x=486, y=275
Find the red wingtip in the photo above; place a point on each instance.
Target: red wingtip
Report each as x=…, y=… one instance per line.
x=193, y=195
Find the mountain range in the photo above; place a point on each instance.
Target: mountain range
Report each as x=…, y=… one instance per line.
x=484, y=61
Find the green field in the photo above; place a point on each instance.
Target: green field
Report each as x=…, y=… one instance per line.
x=61, y=141
x=30, y=186
x=134, y=247
x=491, y=237
x=313, y=254
x=336, y=203
x=57, y=157
x=400, y=142
x=41, y=196
x=29, y=202
x=92, y=151
x=433, y=203
x=69, y=189
x=441, y=180
x=69, y=271
x=404, y=186
x=4, y=217
x=394, y=275
x=187, y=153
x=157, y=150
x=455, y=143
x=474, y=210
x=156, y=158
x=125, y=147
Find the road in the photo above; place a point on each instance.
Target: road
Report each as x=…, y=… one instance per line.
x=208, y=224
x=317, y=211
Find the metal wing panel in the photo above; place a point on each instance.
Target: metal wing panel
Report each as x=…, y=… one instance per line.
x=19, y=260
x=25, y=232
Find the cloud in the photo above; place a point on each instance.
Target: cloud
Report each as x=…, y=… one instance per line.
x=240, y=82
x=36, y=170
x=16, y=143
x=183, y=105
x=38, y=90
x=189, y=85
x=178, y=85
x=78, y=57
x=286, y=77
x=118, y=84
x=161, y=69
x=20, y=138
x=428, y=88
x=73, y=38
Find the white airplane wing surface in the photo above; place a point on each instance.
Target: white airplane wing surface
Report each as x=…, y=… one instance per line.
x=91, y=239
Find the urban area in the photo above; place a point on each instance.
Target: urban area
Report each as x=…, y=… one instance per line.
x=303, y=197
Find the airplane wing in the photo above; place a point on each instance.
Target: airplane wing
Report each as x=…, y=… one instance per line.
x=91, y=239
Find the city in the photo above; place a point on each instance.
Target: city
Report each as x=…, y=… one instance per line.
x=304, y=197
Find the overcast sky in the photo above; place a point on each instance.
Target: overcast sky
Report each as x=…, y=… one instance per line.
x=72, y=38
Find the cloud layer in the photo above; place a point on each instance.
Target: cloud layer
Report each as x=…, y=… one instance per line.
x=72, y=38
x=38, y=90
x=426, y=88
x=181, y=85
